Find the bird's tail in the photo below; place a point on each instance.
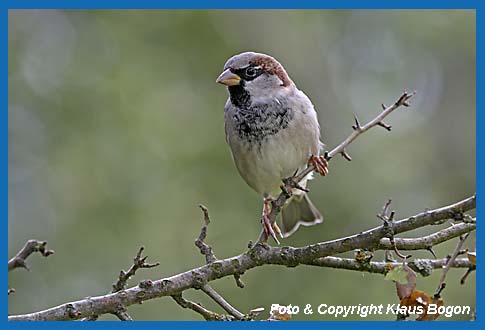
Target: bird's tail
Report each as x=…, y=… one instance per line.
x=299, y=211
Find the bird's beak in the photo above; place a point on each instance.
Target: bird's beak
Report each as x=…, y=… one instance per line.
x=228, y=78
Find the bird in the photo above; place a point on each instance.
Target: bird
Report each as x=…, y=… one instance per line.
x=273, y=132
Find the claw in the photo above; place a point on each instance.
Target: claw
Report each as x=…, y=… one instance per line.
x=268, y=228
x=266, y=221
x=320, y=163
x=277, y=230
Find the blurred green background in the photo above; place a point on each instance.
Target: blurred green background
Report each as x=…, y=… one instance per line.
x=116, y=135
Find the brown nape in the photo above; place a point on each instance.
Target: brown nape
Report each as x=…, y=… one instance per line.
x=272, y=66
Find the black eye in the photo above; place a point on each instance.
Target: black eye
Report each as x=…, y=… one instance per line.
x=251, y=72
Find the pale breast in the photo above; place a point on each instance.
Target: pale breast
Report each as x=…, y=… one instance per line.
x=270, y=142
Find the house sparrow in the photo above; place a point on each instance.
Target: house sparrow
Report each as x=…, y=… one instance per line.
x=273, y=132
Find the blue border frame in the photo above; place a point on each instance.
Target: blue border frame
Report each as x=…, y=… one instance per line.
x=240, y=4
x=233, y=4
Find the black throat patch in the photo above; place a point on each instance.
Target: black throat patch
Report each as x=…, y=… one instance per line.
x=255, y=123
x=239, y=96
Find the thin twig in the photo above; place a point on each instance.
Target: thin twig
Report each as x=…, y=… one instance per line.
x=222, y=302
x=19, y=261
x=452, y=258
x=387, y=218
x=468, y=272
x=427, y=242
x=121, y=283
x=207, y=251
x=239, y=282
x=204, y=248
x=206, y=314
x=138, y=262
x=383, y=267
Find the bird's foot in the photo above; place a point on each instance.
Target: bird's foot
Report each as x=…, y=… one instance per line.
x=268, y=227
x=320, y=163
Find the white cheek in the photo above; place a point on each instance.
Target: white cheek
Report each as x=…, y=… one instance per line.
x=264, y=88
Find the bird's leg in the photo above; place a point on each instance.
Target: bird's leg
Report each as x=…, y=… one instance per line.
x=320, y=163
x=268, y=227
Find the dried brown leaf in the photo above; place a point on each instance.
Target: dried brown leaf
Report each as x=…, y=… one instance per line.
x=472, y=257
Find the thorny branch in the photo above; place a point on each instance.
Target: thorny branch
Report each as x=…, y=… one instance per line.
x=377, y=121
x=257, y=256
x=358, y=130
x=138, y=262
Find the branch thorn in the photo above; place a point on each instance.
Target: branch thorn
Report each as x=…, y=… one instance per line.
x=346, y=155
x=430, y=249
x=357, y=126
x=385, y=126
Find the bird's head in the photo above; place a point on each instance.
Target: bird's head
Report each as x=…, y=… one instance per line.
x=256, y=74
